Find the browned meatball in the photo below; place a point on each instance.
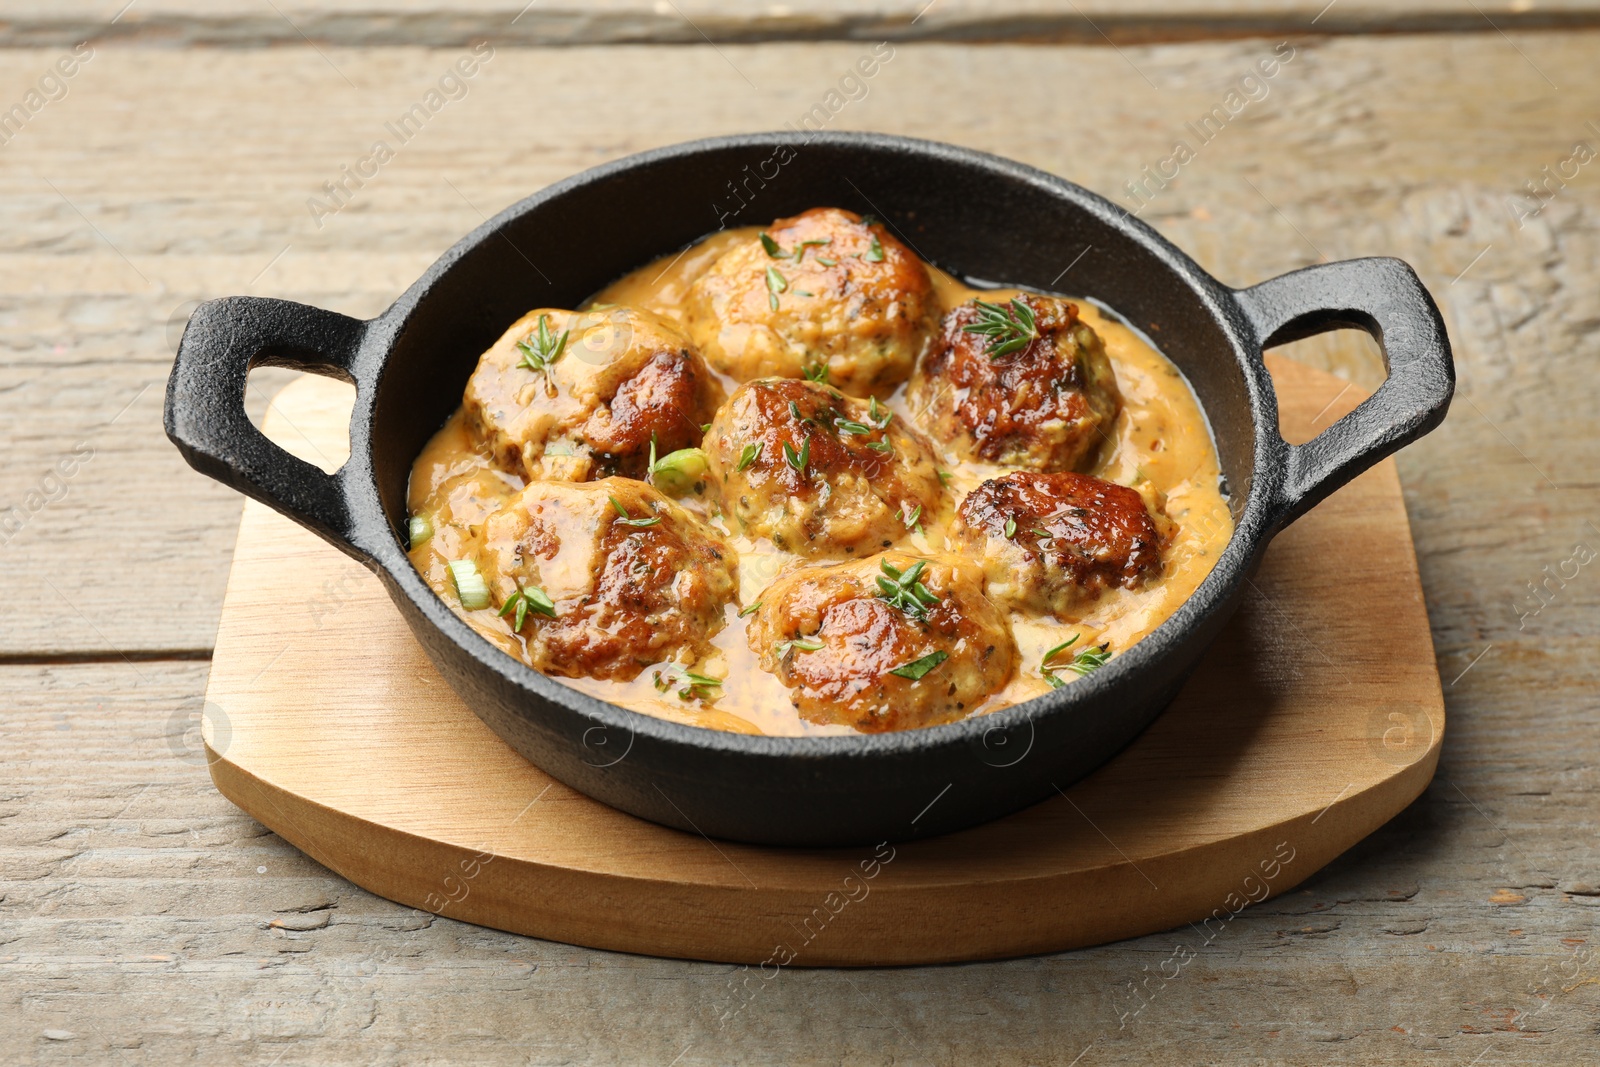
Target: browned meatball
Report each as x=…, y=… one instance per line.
x=1051, y=542
x=885, y=643
x=1036, y=391
x=570, y=396
x=819, y=473
x=821, y=289
x=616, y=577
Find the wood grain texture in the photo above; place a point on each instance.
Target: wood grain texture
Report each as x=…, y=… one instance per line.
x=1455, y=932
x=329, y=725
x=359, y=23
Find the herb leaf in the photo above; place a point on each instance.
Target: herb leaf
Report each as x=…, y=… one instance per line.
x=879, y=416
x=776, y=283
x=847, y=426
x=816, y=372
x=904, y=589
x=1082, y=662
x=626, y=520
x=1011, y=527
x=798, y=460
x=875, y=253
x=880, y=446
x=747, y=457
x=541, y=348
x=745, y=613
x=917, y=668
x=911, y=519
x=523, y=601
x=773, y=250
x=804, y=644
x=1009, y=328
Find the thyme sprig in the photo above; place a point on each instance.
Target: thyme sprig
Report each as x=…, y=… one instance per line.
x=1083, y=661
x=1009, y=328
x=541, y=348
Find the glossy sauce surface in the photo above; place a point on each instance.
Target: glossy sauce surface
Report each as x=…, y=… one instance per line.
x=1160, y=444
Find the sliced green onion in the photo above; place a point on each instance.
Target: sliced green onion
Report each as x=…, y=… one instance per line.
x=471, y=589
x=676, y=472
x=421, y=529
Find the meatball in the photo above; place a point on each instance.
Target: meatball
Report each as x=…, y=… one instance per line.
x=824, y=289
x=1053, y=542
x=1021, y=384
x=571, y=396
x=884, y=643
x=611, y=577
x=818, y=472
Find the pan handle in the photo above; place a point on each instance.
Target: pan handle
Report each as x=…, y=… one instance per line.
x=1385, y=298
x=205, y=414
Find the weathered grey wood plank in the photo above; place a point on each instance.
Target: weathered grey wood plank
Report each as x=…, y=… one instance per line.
x=1422, y=945
x=359, y=23
x=201, y=192
x=139, y=911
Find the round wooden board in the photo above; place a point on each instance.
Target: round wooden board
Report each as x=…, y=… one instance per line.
x=1315, y=718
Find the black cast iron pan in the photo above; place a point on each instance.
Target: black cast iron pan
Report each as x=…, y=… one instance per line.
x=973, y=214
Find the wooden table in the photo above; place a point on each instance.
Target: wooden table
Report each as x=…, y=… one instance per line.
x=140, y=912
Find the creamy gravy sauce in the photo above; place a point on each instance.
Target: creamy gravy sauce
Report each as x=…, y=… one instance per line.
x=1160, y=444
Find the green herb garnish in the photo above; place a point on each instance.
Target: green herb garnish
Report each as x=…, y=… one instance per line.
x=677, y=471
x=880, y=446
x=700, y=686
x=747, y=457
x=745, y=613
x=798, y=460
x=804, y=644
x=826, y=262
x=875, y=253
x=847, y=426
x=626, y=520
x=1082, y=662
x=816, y=372
x=911, y=519
x=772, y=247
x=879, y=416
x=919, y=667
x=542, y=348
x=1011, y=528
x=904, y=589
x=1009, y=329
x=869, y=221
x=776, y=283
x=523, y=601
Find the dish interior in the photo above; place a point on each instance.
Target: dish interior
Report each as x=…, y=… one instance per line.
x=1159, y=443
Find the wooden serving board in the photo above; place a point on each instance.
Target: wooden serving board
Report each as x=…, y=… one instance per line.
x=1315, y=718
